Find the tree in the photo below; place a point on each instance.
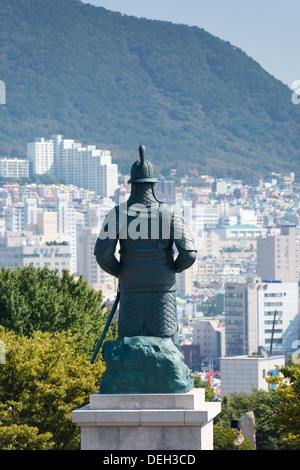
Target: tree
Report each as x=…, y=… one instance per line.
x=209, y=391
x=287, y=413
x=34, y=299
x=43, y=379
x=262, y=403
x=224, y=439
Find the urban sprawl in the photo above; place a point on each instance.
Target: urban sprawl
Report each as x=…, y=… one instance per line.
x=237, y=305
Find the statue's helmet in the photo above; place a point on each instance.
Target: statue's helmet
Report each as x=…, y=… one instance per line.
x=142, y=170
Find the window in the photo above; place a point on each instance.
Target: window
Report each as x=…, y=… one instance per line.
x=274, y=294
x=273, y=304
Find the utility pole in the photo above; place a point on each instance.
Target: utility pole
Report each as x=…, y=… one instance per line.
x=273, y=328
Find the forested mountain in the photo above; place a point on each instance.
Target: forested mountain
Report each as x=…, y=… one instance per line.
x=117, y=81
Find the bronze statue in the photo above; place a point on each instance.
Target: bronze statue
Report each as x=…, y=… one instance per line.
x=147, y=231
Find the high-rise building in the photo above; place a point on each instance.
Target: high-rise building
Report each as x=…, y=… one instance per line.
x=88, y=266
x=278, y=256
x=30, y=211
x=83, y=166
x=258, y=314
x=14, y=218
x=41, y=154
x=66, y=225
x=184, y=282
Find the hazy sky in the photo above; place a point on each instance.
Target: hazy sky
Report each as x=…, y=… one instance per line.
x=267, y=30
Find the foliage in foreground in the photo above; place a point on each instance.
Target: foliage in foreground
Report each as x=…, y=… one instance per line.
x=224, y=439
x=287, y=413
x=209, y=391
x=263, y=404
x=44, y=378
x=34, y=299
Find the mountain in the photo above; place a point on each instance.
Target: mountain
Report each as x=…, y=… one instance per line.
x=117, y=81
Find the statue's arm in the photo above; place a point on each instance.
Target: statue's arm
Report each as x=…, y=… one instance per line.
x=106, y=245
x=187, y=252
x=105, y=256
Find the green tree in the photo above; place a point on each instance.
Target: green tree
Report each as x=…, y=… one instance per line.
x=209, y=391
x=262, y=403
x=224, y=439
x=287, y=414
x=34, y=299
x=44, y=377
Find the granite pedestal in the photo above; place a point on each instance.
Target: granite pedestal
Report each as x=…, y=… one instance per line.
x=175, y=421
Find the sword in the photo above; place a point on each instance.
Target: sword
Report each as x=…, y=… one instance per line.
x=114, y=307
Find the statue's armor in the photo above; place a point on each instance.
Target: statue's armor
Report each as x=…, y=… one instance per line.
x=146, y=269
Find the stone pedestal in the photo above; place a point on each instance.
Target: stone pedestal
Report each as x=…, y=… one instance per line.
x=177, y=421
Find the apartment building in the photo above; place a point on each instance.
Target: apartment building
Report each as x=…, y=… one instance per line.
x=252, y=309
x=66, y=225
x=15, y=168
x=41, y=153
x=278, y=256
x=88, y=267
x=83, y=166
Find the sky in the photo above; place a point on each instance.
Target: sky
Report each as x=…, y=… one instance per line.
x=266, y=30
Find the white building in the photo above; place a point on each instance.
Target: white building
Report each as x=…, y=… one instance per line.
x=14, y=218
x=66, y=225
x=83, y=166
x=41, y=154
x=96, y=213
x=107, y=176
x=98, y=279
x=238, y=215
x=278, y=256
x=24, y=248
x=249, y=314
x=245, y=373
x=201, y=216
x=184, y=282
x=15, y=168
x=30, y=210
x=239, y=231
x=278, y=304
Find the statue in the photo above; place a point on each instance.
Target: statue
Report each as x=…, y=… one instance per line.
x=147, y=231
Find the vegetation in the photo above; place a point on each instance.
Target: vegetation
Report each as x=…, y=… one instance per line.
x=43, y=379
x=40, y=299
x=49, y=327
x=209, y=391
x=287, y=413
x=116, y=81
x=224, y=439
x=263, y=404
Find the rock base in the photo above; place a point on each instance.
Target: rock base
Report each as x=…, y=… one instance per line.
x=144, y=364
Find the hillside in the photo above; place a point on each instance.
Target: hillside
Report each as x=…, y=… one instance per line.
x=117, y=81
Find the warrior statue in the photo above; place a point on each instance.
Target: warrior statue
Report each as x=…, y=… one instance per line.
x=147, y=231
